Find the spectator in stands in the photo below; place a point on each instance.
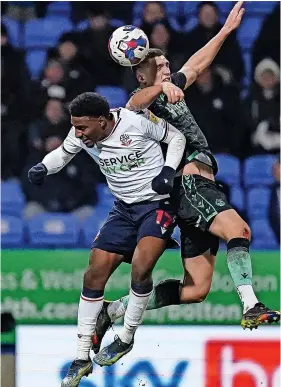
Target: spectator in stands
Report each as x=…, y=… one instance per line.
x=56, y=83
x=154, y=12
x=68, y=53
x=21, y=10
x=229, y=62
x=264, y=107
x=274, y=208
x=71, y=190
x=218, y=111
x=93, y=45
x=15, y=94
x=55, y=123
x=267, y=44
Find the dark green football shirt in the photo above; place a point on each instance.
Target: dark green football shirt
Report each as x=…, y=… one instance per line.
x=181, y=118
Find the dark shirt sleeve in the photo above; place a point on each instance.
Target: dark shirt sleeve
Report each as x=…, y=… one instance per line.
x=179, y=79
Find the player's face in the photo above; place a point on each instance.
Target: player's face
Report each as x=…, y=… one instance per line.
x=163, y=72
x=89, y=129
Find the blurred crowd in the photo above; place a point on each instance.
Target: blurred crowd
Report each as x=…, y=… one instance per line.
x=238, y=119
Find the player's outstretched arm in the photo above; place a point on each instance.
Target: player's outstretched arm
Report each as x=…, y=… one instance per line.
x=205, y=56
x=143, y=98
x=54, y=161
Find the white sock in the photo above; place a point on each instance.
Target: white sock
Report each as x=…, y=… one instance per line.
x=247, y=297
x=117, y=309
x=89, y=309
x=134, y=314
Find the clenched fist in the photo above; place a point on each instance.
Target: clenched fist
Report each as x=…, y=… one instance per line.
x=173, y=93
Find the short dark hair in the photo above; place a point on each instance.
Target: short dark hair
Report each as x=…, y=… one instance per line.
x=152, y=53
x=89, y=105
x=210, y=3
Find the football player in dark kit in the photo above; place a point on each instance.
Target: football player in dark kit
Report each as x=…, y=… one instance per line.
x=204, y=215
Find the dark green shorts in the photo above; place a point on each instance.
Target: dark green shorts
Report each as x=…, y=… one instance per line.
x=199, y=200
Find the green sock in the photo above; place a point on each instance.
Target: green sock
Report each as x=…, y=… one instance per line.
x=239, y=261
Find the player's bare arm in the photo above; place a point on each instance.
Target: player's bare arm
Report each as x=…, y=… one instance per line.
x=145, y=97
x=205, y=56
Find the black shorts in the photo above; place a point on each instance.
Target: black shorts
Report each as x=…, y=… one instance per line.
x=199, y=200
x=127, y=224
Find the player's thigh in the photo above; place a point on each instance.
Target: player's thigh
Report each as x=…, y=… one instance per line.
x=198, y=273
x=118, y=234
x=201, y=200
x=228, y=225
x=148, y=251
x=155, y=228
x=101, y=265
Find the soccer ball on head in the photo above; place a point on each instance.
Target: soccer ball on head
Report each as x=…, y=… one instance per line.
x=128, y=46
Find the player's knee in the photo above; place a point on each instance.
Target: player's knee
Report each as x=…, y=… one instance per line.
x=92, y=280
x=199, y=294
x=247, y=234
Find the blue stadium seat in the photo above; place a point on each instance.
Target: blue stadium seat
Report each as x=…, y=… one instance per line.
x=190, y=23
x=12, y=233
x=258, y=170
x=189, y=8
x=59, y=9
x=91, y=227
x=53, y=230
x=249, y=30
x=225, y=6
x=105, y=197
x=12, y=198
x=229, y=169
x=258, y=203
x=116, y=96
x=35, y=60
x=13, y=27
x=45, y=32
x=260, y=7
x=237, y=198
x=263, y=237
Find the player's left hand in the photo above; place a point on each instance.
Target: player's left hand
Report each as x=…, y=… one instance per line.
x=234, y=18
x=164, y=182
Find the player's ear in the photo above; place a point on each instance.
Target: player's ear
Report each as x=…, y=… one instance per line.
x=102, y=122
x=140, y=77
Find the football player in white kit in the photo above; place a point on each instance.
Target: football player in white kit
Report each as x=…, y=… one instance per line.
x=127, y=148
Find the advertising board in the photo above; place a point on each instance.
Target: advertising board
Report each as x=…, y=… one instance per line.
x=162, y=357
x=43, y=287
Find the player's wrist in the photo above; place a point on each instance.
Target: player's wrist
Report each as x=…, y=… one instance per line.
x=165, y=86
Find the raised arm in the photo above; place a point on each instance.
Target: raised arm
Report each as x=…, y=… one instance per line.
x=202, y=59
x=54, y=161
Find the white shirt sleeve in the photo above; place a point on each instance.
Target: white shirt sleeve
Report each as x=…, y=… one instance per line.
x=58, y=158
x=160, y=130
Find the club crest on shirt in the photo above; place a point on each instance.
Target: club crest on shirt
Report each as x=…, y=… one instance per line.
x=125, y=140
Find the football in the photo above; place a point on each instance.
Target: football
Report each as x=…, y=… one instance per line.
x=128, y=45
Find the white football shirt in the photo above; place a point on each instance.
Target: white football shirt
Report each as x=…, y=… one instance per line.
x=130, y=157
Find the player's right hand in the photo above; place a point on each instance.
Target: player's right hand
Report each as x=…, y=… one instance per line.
x=173, y=93
x=36, y=174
